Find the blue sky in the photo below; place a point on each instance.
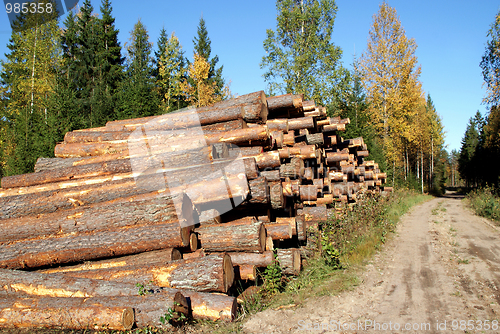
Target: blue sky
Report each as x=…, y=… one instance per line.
x=451, y=38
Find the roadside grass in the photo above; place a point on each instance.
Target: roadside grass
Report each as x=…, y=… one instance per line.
x=485, y=202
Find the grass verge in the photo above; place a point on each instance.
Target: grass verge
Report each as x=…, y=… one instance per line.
x=485, y=203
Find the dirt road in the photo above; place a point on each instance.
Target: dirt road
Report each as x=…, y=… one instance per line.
x=439, y=274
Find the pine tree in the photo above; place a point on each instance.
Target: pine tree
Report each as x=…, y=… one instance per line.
x=170, y=72
x=467, y=166
x=202, y=47
x=300, y=55
x=138, y=97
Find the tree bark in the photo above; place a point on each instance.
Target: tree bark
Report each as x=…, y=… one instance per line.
x=291, y=221
x=257, y=259
x=279, y=124
x=146, y=258
x=294, y=169
x=259, y=191
x=279, y=231
x=141, y=210
x=72, y=248
x=209, y=273
x=69, y=313
x=271, y=175
x=315, y=139
x=284, y=101
x=276, y=195
x=308, y=192
x=245, y=272
x=242, y=236
x=211, y=306
x=16, y=282
x=289, y=260
x=300, y=123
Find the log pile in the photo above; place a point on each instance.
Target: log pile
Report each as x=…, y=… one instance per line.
x=166, y=210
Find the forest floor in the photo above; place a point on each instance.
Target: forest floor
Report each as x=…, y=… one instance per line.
x=440, y=273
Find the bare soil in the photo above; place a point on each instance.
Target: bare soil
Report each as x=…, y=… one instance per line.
x=440, y=273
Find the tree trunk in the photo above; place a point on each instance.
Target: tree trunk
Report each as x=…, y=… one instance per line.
x=211, y=306
x=70, y=248
x=120, y=212
x=15, y=282
x=284, y=101
x=257, y=259
x=289, y=260
x=300, y=123
x=69, y=313
x=243, y=236
x=146, y=258
x=291, y=221
x=279, y=231
x=279, y=124
x=245, y=272
x=294, y=169
x=276, y=195
x=209, y=273
x=259, y=191
x=271, y=175
x=308, y=192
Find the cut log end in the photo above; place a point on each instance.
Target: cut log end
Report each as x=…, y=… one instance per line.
x=128, y=318
x=228, y=272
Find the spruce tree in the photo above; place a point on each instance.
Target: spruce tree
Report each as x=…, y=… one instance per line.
x=137, y=93
x=202, y=47
x=170, y=71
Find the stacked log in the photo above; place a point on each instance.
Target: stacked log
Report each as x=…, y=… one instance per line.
x=190, y=201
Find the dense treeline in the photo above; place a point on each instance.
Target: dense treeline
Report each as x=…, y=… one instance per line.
x=79, y=76
x=480, y=152
x=57, y=79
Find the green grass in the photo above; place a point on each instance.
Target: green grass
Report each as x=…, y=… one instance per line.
x=485, y=202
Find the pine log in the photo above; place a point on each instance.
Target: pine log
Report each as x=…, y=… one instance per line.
x=335, y=157
x=289, y=260
x=291, y=221
x=15, y=282
x=300, y=123
x=269, y=243
x=276, y=195
x=70, y=248
x=68, y=313
x=160, y=144
x=289, y=139
x=158, y=256
x=269, y=159
x=211, y=216
x=276, y=139
x=294, y=169
x=249, y=151
x=107, y=135
x=279, y=231
x=304, y=152
x=211, y=306
x=284, y=101
x=301, y=227
x=246, y=272
x=147, y=308
x=314, y=113
x=308, y=105
x=309, y=173
x=212, y=272
x=257, y=259
x=290, y=188
x=243, y=236
x=315, y=139
x=259, y=191
x=251, y=107
x=308, y=192
x=334, y=127
x=147, y=209
x=101, y=188
x=315, y=214
x=278, y=125
x=197, y=253
x=271, y=175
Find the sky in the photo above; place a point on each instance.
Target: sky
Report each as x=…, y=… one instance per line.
x=451, y=39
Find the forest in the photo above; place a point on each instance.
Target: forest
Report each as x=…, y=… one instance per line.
x=62, y=76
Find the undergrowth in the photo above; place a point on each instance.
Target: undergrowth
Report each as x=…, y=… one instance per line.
x=485, y=202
